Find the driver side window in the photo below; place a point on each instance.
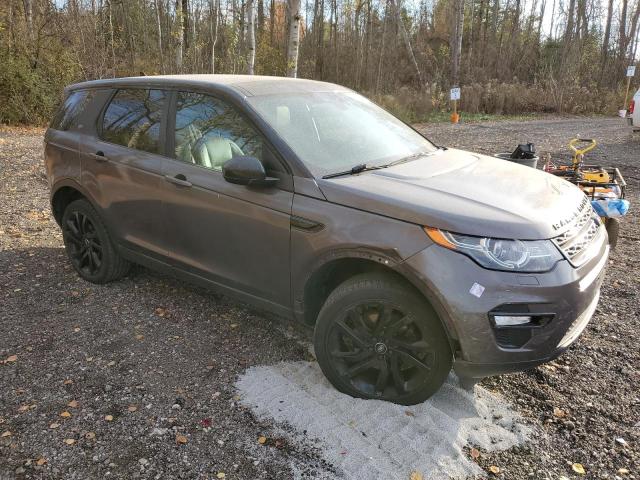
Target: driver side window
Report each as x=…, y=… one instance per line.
x=209, y=132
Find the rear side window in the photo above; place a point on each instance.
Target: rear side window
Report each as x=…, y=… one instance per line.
x=133, y=118
x=70, y=110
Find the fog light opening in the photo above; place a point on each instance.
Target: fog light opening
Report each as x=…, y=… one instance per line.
x=511, y=320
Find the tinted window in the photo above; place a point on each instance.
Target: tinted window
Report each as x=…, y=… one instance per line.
x=133, y=119
x=210, y=132
x=71, y=109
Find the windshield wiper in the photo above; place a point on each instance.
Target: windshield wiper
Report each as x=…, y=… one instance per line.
x=361, y=167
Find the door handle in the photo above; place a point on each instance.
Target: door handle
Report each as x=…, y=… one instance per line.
x=100, y=156
x=179, y=179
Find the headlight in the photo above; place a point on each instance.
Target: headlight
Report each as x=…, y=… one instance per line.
x=499, y=254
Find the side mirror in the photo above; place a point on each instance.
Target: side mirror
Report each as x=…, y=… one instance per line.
x=246, y=171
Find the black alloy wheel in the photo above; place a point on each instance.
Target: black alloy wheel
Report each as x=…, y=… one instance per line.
x=89, y=245
x=386, y=345
x=85, y=248
x=381, y=351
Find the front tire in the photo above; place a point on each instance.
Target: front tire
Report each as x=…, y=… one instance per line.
x=377, y=338
x=89, y=245
x=613, y=230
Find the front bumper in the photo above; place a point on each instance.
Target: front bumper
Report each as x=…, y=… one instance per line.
x=570, y=295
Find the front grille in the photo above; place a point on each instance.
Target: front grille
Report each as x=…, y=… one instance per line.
x=575, y=242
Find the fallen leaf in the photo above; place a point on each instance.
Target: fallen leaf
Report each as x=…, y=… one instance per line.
x=409, y=413
x=161, y=312
x=558, y=412
x=206, y=422
x=108, y=418
x=6, y=433
x=73, y=404
x=475, y=453
x=67, y=382
x=139, y=337
x=493, y=469
x=24, y=408
x=41, y=461
x=90, y=436
x=132, y=408
x=69, y=441
x=578, y=468
x=262, y=440
x=54, y=425
x=181, y=439
x=65, y=414
x=416, y=476
x=221, y=475
x=12, y=358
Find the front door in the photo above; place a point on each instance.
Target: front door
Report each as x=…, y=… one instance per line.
x=234, y=235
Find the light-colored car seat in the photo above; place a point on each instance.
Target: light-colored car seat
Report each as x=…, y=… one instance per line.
x=214, y=151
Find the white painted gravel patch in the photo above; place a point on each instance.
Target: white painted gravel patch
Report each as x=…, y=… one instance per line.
x=378, y=440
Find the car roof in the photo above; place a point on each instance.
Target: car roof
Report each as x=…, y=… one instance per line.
x=246, y=85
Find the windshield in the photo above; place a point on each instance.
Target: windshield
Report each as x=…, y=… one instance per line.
x=335, y=131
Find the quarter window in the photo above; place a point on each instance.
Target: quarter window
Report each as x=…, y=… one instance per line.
x=133, y=119
x=209, y=132
x=71, y=109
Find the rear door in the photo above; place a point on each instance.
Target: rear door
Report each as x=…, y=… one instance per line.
x=61, y=139
x=122, y=167
x=231, y=234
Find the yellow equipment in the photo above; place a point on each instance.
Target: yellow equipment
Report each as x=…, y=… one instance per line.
x=590, y=173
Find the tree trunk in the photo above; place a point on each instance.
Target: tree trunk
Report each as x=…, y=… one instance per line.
x=407, y=40
x=455, y=41
x=28, y=14
x=251, y=33
x=213, y=30
x=159, y=27
x=294, y=38
x=622, y=31
x=632, y=33
x=607, y=31
x=179, y=35
x=260, y=18
x=384, y=35
x=318, y=20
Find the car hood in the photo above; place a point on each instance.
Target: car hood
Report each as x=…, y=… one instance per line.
x=466, y=193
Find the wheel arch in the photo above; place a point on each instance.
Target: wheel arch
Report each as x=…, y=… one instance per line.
x=327, y=276
x=63, y=193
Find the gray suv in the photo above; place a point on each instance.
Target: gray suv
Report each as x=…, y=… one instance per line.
x=305, y=199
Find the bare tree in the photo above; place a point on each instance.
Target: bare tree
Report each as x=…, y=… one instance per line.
x=455, y=39
x=251, y=33
x=179, y=35
x=294, y=38
x=407, y=41
x=159, y=27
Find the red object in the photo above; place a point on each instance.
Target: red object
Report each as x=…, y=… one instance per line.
x=632, y=105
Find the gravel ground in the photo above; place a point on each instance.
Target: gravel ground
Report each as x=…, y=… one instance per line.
x=136, y=379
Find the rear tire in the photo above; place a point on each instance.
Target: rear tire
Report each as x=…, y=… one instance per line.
x=613, y=230
x=377, y=338
x=89, y=245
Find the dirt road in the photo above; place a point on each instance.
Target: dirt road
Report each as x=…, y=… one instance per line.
x=136, y=379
